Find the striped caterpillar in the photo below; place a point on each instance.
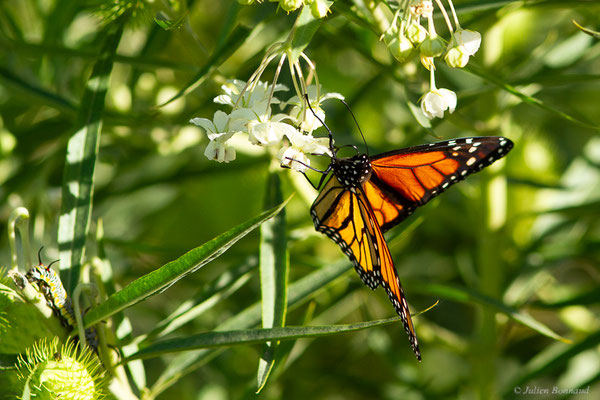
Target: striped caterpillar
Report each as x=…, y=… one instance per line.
x=54, y=292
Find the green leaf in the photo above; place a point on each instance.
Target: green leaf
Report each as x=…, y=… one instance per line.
x=477, y=71
x=223, y=51
x=226, y=284
x=82, y=150
x=32, y=92
x=251, y=336
x=299, y=292
x=274, y=266
x=465, y=295
x=554, y=358
x=161, y=279
x=588, y=31
x=304, y=29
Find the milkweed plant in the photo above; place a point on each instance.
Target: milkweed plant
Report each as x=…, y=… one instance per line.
x=46, y=350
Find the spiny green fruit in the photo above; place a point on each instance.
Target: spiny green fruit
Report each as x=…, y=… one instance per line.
x=53, y=371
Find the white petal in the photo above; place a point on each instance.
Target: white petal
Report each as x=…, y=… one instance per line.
x=229, y=154
x=449, y=98
x=223, y=99
x=204, y=123
x=211, y=151
x=220, y=119
x=468, y=40
x=220, y=137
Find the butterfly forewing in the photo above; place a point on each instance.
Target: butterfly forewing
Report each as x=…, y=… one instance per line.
x=337, y=213
x=408, y=178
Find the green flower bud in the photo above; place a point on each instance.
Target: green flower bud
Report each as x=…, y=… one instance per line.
x=401, y=48
x=290, y=5
x=319, y=8
x=432, y=47
x=390, y=35
x=416, y=33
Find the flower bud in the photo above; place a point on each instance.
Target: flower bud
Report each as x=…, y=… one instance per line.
x=319, y=8
x=455, y=58
x=401, y=48
x=290, y=5
x=416, y=33
x=432, y=47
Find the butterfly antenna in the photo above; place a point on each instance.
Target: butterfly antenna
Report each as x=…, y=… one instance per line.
x=40, y=255
x=322, y=123
x=358, y=126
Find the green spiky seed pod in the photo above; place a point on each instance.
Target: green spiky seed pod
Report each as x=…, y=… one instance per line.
x=53, y=371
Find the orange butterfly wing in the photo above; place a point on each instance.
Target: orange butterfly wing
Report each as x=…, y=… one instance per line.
x=400, y=181
x=405, y=179
x=347, y=218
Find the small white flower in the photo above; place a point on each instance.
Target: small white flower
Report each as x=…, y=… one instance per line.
x=268, y=133
x=307, y=120
x=295, y=155
x=436, y=101
x=293, y=158
x=468, y=41
x=218, y=134
x=218, y=150
x=310, y=122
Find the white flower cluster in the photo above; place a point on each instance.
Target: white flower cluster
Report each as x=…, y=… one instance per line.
x=406, y=38
x=251, y=114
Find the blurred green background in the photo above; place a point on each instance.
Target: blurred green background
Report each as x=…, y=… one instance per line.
x=525, y=233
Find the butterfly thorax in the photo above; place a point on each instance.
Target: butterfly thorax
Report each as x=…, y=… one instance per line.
x=352, y=172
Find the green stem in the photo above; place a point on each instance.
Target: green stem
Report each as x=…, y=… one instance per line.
x=19, y=218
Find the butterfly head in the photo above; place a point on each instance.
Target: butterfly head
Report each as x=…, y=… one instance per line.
x=352, y=171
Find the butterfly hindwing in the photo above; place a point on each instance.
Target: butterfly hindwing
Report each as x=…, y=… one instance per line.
x=405, y=179
x=347, y=218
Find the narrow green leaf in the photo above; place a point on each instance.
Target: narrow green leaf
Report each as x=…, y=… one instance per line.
x=226, y=284
x=419, y=116
x=299, y=292
x=555, y=358
x=304, y=29
x=465, y=295
x=477, y=71
x=251, y=336
x=82, y=150
x=583, y=299
x=16, y=85
x=161, y=279
x=586, y=30
x=274, y=265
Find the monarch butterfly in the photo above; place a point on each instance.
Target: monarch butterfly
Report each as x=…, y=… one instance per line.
x=366, y=196
x=54, y=292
